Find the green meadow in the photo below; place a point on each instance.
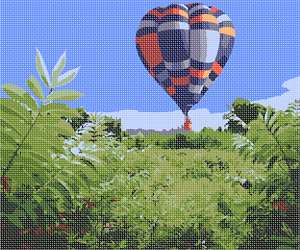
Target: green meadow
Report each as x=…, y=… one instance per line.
x=74, y=180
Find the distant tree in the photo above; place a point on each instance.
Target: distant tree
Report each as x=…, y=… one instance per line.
x=181, y=141
x=246, y=110
x=294, y=107
x=241, y=113
x=78, y=121
x=139, y=140
x=113, y=126
x=219, y=129
x=235, y=126
x=125, y=134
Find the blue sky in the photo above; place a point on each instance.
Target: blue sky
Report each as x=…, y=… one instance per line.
x=99, y=36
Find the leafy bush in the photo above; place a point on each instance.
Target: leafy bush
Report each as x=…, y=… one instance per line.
x=159, y=199
x=241, y=113
x=138, y=141
x=273, y=139
x=38, y=181
x=205, y=139
x=113, y=127
x=76, y=180
x=81, y=118
x=294, y=107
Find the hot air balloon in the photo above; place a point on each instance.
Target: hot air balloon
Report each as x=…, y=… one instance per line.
x=185, y=47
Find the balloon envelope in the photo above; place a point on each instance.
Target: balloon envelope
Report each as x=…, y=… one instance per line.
x=185, y=47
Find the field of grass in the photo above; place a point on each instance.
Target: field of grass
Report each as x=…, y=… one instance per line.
x=73, y=180
x=188, y=163
x=182, y=198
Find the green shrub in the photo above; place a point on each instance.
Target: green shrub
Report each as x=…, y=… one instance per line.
x=159, y=199
x=81, y=118
x=273, y=139
x=76, y=180
x=112, y=126
x=40, y=177
x=205, y=139
x=241, y=113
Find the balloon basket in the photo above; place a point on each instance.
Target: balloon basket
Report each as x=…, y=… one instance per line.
x=187, y=126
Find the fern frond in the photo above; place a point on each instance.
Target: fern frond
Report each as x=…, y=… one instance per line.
x=275, y=136
x=243, y=144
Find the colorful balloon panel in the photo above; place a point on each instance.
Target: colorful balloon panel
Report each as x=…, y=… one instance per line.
x=185, y=47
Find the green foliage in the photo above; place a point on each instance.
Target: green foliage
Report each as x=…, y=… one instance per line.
x=242, y=112
x=42, y=69
x=37, y=178
x=112, y=127
x=66, y=77
x=137, y=141
x=294, y=107
x=56, y=79
x=158, y=199
x=62, y=95
x=95, y=147
x=35, y=86
x=246, y=110
x=58, y=68
x=78, y=181
x=20, y=96
x=273, y=139
x=205, y=139
x=275, y=136
x=80, y=119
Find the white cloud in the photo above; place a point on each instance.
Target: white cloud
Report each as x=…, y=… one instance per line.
x=133, y=119
x=281, y=102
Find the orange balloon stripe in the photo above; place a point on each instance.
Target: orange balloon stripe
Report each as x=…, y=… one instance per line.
x=227, y=31
x=214, y=9
x=199, y=73
x=171, y=90
x=217, y=68
x=204, y=18
x=176, y=11
x=180, y=81
x=150, y=49
x=155, y=13
x=173, y=11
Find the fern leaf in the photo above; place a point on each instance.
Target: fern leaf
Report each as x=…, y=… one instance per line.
x=58, y=108
x=9, y=106
x=64, y=95
x=35, y=86
x=63, y=192
x=59, y=66
x=42, y=69
x=272, y=120
x=67, y=77
x=275, y=136
x=20, y=95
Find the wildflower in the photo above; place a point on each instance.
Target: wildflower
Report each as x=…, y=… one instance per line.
x=63, y=227
x=280, y=206
x=5, y=184
x=108, y=225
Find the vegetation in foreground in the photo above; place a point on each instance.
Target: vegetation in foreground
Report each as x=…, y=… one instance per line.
x=90, y=185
